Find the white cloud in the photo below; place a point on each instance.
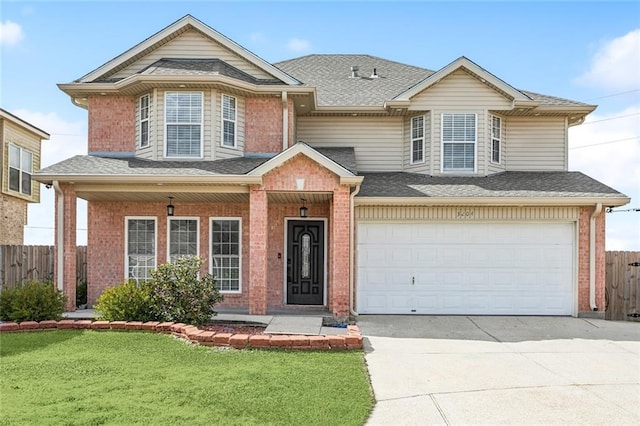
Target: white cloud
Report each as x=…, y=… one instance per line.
x=615, y=164
x=10, y=33
x=68, y=138
x=298, y=45
x=616, y=65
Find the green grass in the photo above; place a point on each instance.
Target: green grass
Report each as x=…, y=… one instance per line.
x=89, y=377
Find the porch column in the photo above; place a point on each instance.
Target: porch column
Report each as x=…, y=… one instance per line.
x=257, y=251
x=339, y=252
x=65, y=228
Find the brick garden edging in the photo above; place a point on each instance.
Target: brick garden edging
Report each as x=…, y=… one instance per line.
x=352, y=340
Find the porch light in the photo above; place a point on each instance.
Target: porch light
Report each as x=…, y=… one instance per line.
x=303, y=209
x=170, y=207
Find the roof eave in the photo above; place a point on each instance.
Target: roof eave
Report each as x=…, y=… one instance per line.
x=491, y=201
x=27, y=126
x=146, y=179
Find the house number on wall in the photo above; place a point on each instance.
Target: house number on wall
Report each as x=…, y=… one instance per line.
x=464, y=214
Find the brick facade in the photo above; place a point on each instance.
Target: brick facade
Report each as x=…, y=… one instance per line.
x=263, y=125
x=13, y=218
x=584, y=260
x=112, y=124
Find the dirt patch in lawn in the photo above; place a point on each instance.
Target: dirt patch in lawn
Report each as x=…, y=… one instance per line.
x=234, y=328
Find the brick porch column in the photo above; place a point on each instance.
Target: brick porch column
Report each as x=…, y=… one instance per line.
x=339, y=252
x=68, y=244
x=257, y=251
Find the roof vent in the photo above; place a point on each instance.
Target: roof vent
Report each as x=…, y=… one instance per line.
x=374, y=74
x=354, y=71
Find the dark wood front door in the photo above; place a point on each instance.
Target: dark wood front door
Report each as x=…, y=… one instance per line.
x=305, y=262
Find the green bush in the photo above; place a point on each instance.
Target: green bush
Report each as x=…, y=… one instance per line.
x=126, y=302
x=31, y=301
x=81, y=293
x=177, y=294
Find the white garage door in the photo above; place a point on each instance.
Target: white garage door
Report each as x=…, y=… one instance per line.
x=465, y=268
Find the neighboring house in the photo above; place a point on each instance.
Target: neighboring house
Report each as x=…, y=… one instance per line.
x=345, y=181
x=20, y=158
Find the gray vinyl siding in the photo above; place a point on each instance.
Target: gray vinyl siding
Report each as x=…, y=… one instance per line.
x=378, y=141
x=192, y=45
x=224, y=151
x=536, y=143
x=423, y=167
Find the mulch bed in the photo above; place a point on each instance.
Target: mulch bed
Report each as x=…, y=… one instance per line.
x=234, y=328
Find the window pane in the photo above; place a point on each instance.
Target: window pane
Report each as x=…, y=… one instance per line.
x=183, y=121
x=14, y=179
x=225, y=253
x=141, y=247
x=14, y=156
x=27, y=161
x=183, y=238
x=26, y=183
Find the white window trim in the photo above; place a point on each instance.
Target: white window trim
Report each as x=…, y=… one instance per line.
x=126, y=241
x=20, y=169
x=201, y=124
x=235, y=122
x=492, y=138
x=239, y=219
x=172, y=218
x=141, y=120
x=442, y=142
x=424, y=121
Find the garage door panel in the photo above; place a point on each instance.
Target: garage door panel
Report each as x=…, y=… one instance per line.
x=466, y=268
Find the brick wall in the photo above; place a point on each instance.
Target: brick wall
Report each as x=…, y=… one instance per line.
x=13, y=217
x=111, y=124
x=263, y=124
x=584, y=260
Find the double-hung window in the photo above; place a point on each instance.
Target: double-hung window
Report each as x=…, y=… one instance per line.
x=459, y=142
x=496, y=138
x=226, y=249
x=183, y=121
x=417, y=139
x=20, y=169
x=141, y=247
x=183, y=237
x=229, y=117
x=144, y=121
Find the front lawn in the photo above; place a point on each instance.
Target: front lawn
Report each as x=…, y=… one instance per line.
x=91, y=377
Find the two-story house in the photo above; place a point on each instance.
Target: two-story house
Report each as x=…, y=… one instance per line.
x=345, y=181
x=20, y=158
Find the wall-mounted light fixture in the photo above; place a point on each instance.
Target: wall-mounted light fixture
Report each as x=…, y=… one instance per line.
x=303, y=210
x=170, y=207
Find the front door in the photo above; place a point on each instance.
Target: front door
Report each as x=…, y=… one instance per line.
x=305, y=262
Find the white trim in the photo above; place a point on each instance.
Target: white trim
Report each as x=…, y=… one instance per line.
x=145, y=120
x=475, y=144
x=234, y=121
x=240, y=235
x=412, y=139
x=201, y=124
x=21, y=170
x=491, y=139
x=172, y=218
x=286, y=246
x=126, y=241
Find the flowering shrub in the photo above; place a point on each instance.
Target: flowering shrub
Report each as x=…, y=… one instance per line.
x=177, y=294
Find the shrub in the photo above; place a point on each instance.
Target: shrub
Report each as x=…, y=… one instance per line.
x=177, y=294
x=31, y=301
x=126, y=302
x=81, y=293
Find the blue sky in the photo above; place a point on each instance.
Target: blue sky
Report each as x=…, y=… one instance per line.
x=585, y=51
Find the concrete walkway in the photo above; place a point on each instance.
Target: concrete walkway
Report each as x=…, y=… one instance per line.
x=502, y=370
x=285, y=323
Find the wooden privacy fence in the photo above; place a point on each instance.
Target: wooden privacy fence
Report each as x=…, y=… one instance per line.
x=623, y=285
x=34, y=263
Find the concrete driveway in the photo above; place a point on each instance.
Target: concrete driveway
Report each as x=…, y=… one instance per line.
x=502, y=370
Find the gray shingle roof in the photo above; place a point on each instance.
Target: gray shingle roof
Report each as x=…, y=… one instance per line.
x=507, y=184
x=346, y=157
x=331, y=75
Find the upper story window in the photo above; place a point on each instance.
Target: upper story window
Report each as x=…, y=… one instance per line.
x=496, y=138
x=20, y=169
x=144, y=121
x=229, y=116
x=417, y=139
x=459, y=142
x=183, y=123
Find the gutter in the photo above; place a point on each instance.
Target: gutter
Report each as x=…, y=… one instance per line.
x=592, y=256
x=60, y=236
x=491, y=201
x=351, y=249
x=285, y=121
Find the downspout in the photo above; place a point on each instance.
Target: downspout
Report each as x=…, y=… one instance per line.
x=285, y=121
x=352, y=256
x=60, y=236
x=592, y=257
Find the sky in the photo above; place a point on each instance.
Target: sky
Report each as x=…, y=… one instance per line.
x=586, y=51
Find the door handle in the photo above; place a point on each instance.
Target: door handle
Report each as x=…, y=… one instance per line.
x=413, y=280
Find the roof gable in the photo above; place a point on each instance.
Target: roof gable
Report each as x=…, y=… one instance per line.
x=473, y=69
x=186, y=30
